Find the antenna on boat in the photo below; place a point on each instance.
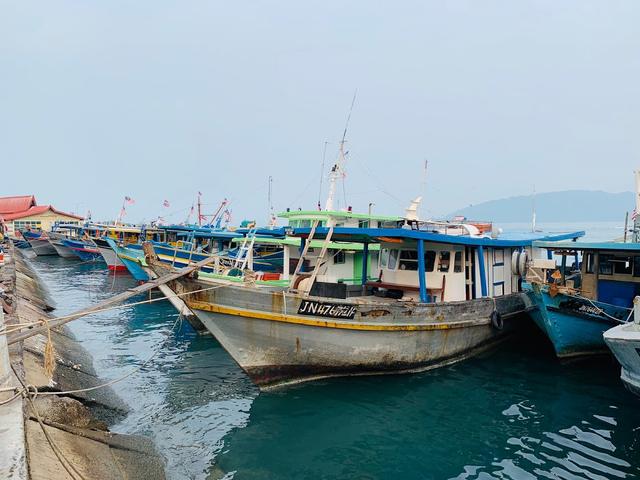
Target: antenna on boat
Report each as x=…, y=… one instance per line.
x=324, y=156
x=636, y=212
x=337, y=171
x=533, y=208
x=424, y=183
x=272, y=217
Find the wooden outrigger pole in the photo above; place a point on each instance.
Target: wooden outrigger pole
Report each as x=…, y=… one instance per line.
x=145, y=287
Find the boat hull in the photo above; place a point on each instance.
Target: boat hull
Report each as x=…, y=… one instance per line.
x=109, y=256
x=131, y=257
x=55, y=239
x=41, y=247
x=624, y=342
x=276, y=340
x=62, y=250
x=86, y=251
x=39, y=243
x=574, y=325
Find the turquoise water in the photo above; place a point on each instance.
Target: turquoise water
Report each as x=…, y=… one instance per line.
x=512, y=413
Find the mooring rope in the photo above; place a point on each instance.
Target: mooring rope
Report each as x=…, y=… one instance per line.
x=112, y=307
x=64, y=461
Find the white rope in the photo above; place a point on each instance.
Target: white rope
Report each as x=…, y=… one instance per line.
x=114, y=307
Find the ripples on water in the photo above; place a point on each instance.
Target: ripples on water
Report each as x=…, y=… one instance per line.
x=514, y=413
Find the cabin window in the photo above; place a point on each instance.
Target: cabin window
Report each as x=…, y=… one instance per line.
x=384, y=258
x=443, y=263
x=408, y=260
x=590, y=268
x=393, y=259
x=622, y=265
x=605, y=268
x=429, y=260
x=363, y=223
x=457, y=263
x=339, y=257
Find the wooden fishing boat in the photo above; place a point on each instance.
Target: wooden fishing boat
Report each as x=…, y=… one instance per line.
x=436, y=299
x=583, y=300
x=39, y=242
x=56, y=240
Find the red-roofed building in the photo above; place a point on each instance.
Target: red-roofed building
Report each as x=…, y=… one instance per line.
x=22, y=212
x=17, y=204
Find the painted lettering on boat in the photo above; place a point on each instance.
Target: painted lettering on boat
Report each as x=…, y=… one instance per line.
x=331, y=310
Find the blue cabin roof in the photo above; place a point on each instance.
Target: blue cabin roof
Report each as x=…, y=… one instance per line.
x=378, y=235
x=607, y=246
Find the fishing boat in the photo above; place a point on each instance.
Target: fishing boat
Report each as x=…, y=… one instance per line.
x=591, y=291
x=39, y=242
x=58, y=233
x=55, y=239
x=129, y=255
x=577, y=303
x=114, y=263
x=624, y=342
x=124, y=235
x=85, y=249
x=437, y=298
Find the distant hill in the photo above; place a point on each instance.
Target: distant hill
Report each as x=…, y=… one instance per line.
x=570, y=205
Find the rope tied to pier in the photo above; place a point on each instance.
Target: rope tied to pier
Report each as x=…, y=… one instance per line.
x=49, y=353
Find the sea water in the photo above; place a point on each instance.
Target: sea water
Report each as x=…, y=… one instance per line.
x=514, y=412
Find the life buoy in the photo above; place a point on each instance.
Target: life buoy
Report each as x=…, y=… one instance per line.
x=496, y=320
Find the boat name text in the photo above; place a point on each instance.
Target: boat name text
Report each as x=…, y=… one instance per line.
x=331, y=310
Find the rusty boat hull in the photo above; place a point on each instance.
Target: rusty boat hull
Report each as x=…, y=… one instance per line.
x=279, y=338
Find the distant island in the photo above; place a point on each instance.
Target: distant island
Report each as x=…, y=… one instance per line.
x=570, y=205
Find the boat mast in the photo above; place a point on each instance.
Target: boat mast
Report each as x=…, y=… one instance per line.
x=199, y=210
x=636, y=212
x=337, y=171
x=533, y=208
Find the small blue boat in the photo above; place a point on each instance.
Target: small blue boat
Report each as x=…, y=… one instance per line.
x=581, y=302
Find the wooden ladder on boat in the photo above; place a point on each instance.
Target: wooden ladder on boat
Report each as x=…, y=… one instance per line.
x=242, y=257
x=297, y=274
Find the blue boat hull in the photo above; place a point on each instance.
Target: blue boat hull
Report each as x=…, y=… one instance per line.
x=574, y=325
x=131, y=256
x=86, y=252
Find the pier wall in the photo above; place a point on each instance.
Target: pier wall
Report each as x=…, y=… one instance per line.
x=58, y=432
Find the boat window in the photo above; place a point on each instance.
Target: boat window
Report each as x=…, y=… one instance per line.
x=363, y=223
x=339, y=257
x=408, y=260
x=636, y=266
x=622, y=265
x=443, y=263
x=393, y=259
x=384, y=258
x=590, y=268
x=605, y=268
x=429, y=260
x=457, y=263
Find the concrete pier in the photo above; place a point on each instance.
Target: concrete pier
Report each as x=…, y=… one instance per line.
x=76, y=423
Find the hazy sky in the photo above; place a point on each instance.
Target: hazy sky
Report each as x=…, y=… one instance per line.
x=161, y=99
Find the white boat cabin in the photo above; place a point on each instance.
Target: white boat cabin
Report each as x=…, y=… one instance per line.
x=452, y=272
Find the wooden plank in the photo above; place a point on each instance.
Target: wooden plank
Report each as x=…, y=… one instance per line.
x=145, y=287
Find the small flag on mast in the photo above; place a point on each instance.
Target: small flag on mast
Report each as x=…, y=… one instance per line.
x=129, y=200
x=166, y=204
